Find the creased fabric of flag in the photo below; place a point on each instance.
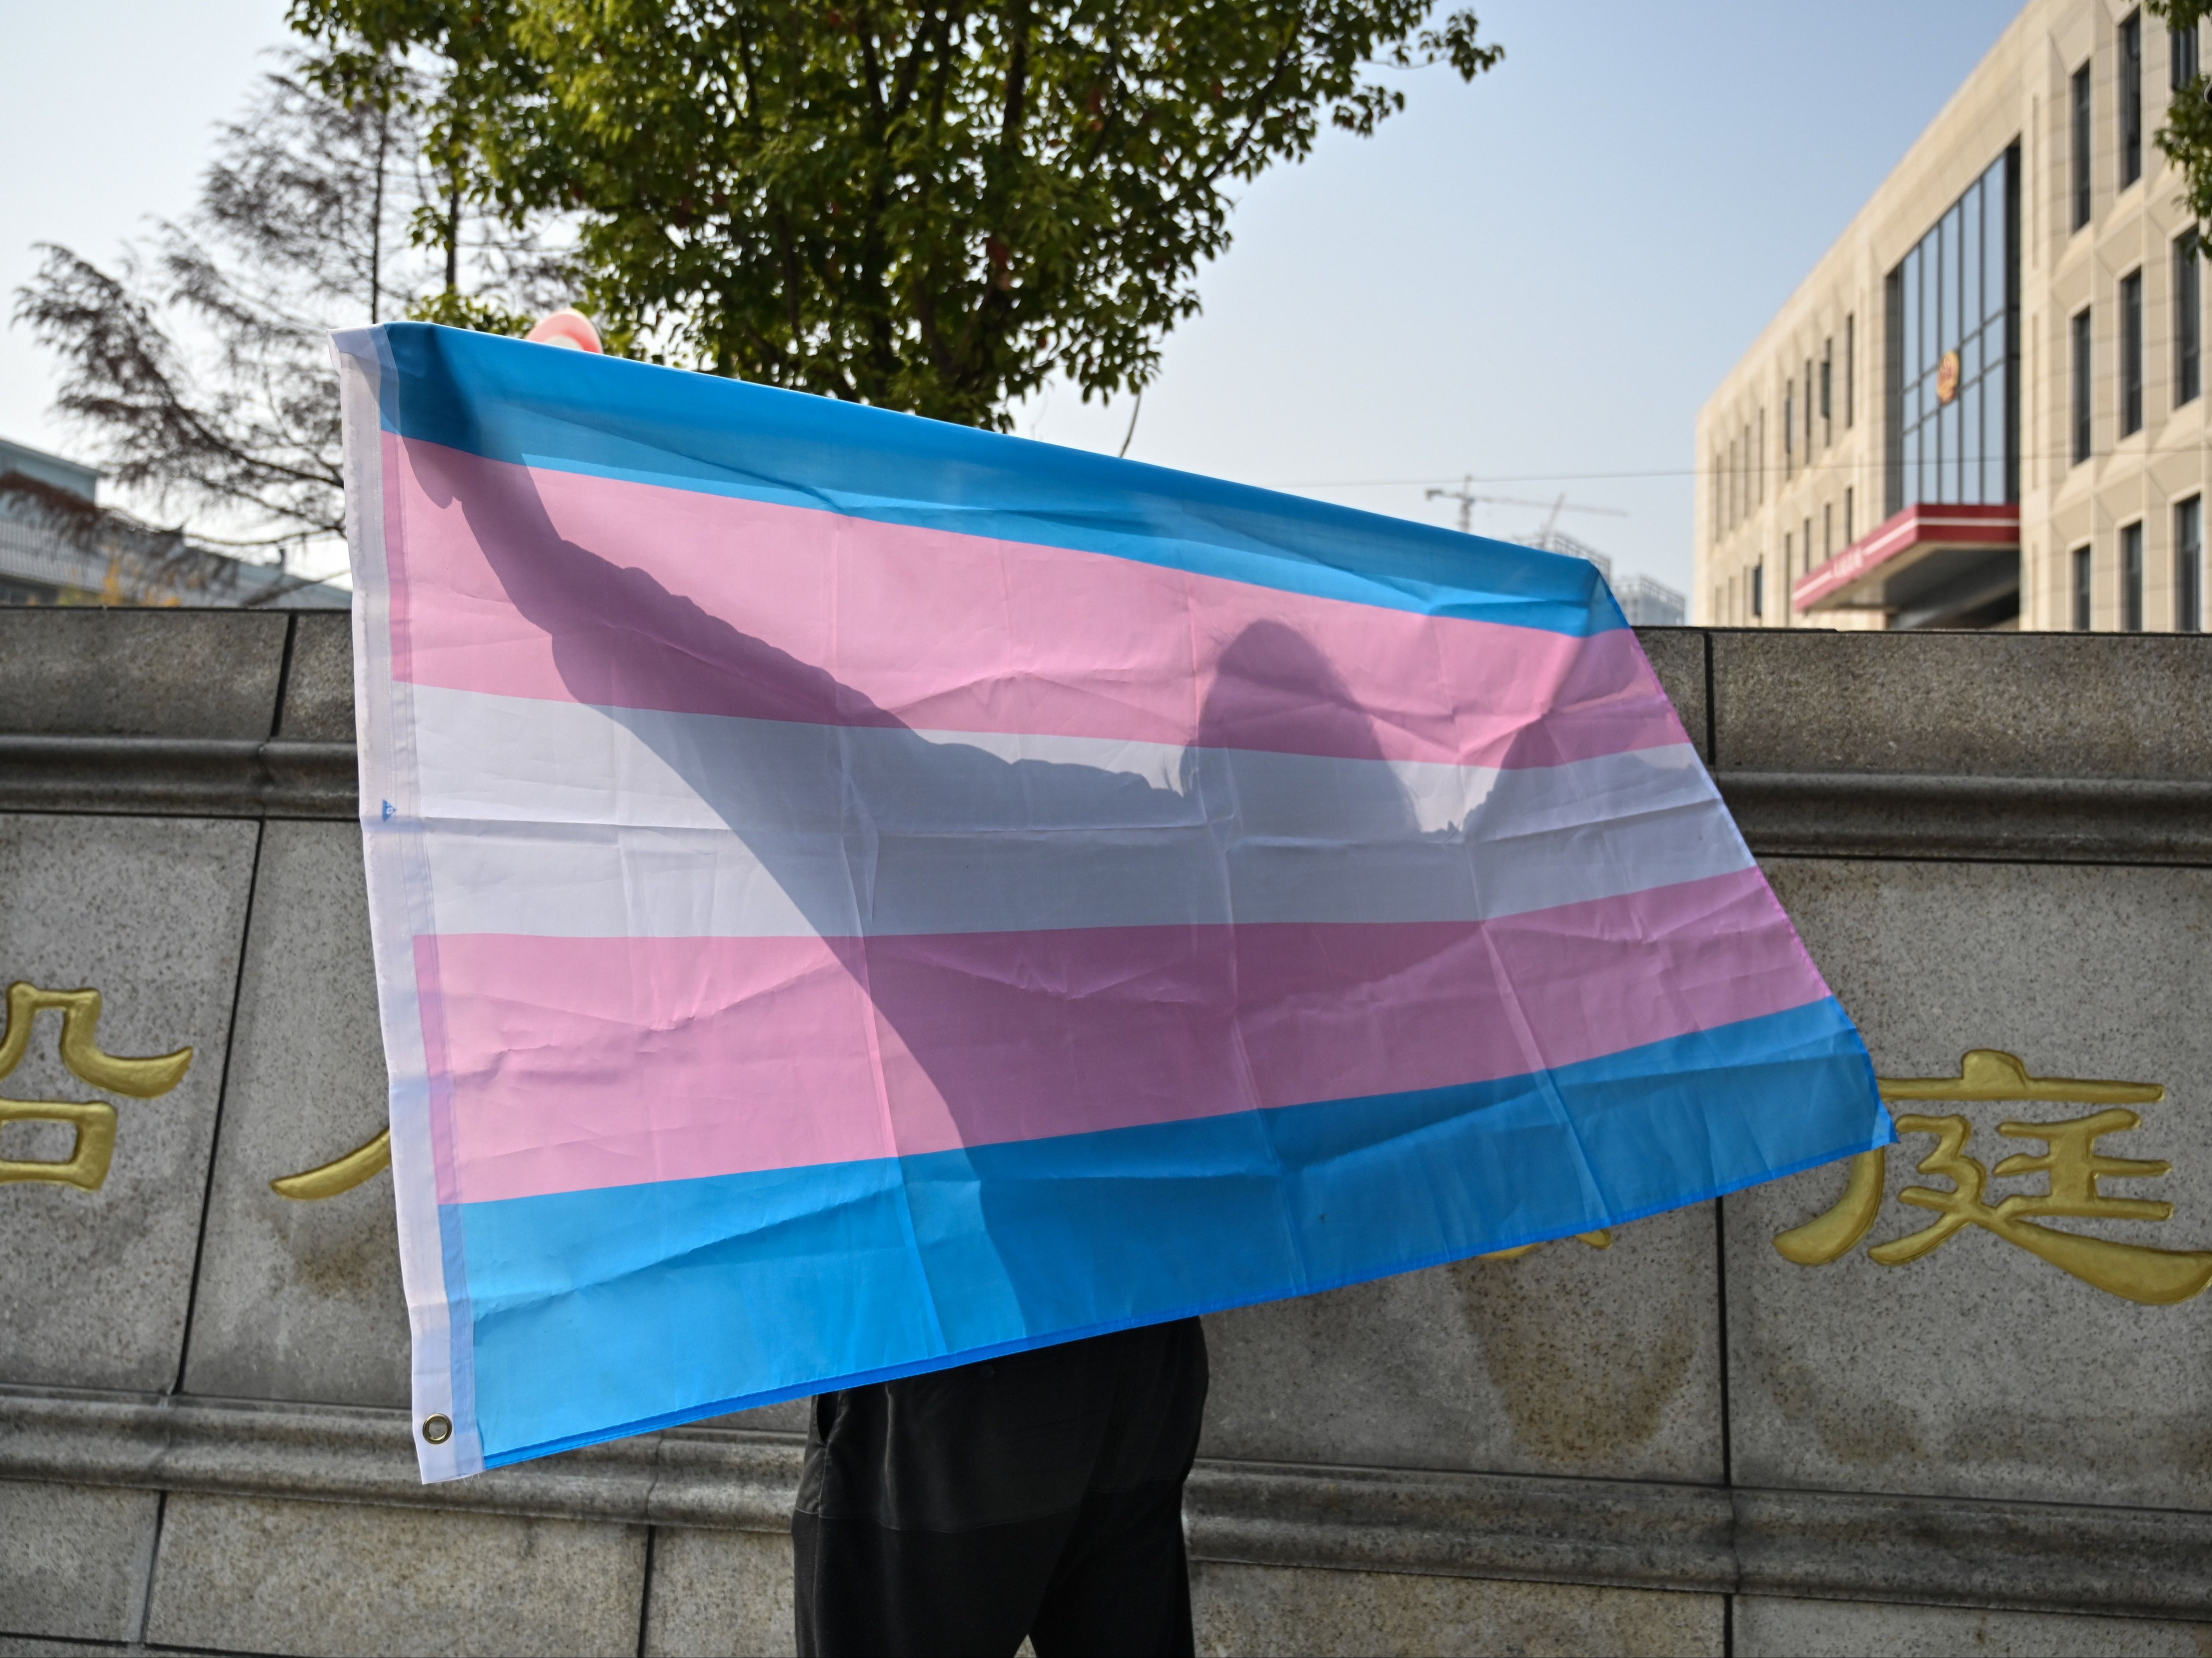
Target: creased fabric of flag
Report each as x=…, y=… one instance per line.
x=853, y=895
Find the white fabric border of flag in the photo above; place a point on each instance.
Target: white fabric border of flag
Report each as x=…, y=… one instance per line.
x=398, y=884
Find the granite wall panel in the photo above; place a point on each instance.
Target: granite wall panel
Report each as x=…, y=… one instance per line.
x=1571, y=1360
x=302, y=1299
x=74, y=1560
x=729, y=1592
x=1768, y=1628
x=1242, y=1611
x=720, y=1594
x=318, y=682
x=1981, y=1369
x=1678, y=657
x=151, y=914
x=1975, y=705
x=94, y=672
x=248, y=1575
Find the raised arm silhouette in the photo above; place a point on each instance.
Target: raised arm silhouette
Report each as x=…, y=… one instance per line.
x=897, y=846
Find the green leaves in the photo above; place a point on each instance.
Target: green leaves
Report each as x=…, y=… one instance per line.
x=928, y=206
x=458, y=310
x=2186, y=137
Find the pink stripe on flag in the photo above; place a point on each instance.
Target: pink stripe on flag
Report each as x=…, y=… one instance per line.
x=565, y=586
x=568, y=1063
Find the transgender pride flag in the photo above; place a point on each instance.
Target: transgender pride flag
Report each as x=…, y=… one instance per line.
x=853, y=895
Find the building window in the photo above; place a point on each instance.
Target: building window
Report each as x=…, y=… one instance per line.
x=1758, y=589
x=2131, y=353
x=2181, y=57
x=2188, y=316
x=2130, y=97
x=2081, y=387
x=2188, y=562
x=2131, y=577
x=2081, y=158
x=1827, y=530
x=1953, y=352
x=1848, y=518
x=1827, y=391
x=1789, y=427
x=1808, y=411
x=2081, y=573
x=1851, y=369
x=1790, y=556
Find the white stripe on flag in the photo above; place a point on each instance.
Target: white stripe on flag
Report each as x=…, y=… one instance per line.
x=557, y=819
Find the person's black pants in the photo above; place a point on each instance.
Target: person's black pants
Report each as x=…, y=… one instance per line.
x=1039, y=1494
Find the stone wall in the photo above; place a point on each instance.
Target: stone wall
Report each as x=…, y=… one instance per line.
x=1682, y=1443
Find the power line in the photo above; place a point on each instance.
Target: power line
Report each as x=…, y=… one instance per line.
x=1468, y=501
x=1464, y=481
x=2066, y=455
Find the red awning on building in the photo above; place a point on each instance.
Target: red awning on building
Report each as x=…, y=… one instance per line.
x=1924, y=547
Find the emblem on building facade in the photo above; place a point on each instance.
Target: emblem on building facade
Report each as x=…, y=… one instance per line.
x=1947, y=378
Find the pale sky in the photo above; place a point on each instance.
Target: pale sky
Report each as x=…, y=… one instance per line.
x=1536, y=279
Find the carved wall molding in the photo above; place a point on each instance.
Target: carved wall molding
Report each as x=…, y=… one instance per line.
x=1800, y=814
x=2124, y=820
x=1699, y=1539
x=179, y=777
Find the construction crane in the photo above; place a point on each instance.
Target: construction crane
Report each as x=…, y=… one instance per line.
x=1468, y=501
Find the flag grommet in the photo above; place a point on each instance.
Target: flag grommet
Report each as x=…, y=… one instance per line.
x=438, y=1429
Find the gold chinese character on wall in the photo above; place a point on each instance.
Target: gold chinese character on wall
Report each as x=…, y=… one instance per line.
x=2071, y=1163
x=343, y=1176
x=93, y=1120
x=1599, y=1240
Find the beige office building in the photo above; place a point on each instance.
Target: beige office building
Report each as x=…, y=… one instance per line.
x=1986, y=407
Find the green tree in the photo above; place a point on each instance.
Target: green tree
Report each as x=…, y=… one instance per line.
x=928, y=206
x=2187, y=135
x=200, y=366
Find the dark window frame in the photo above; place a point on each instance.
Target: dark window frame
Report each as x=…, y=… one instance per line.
x=2131, y=577
x=2083, y=367
x=2084, y=591
x=2188, y=317
x=2188, y=565
x=2083, y=140
x=2130, y=398
x=1954, y=322
x=1850, y=370
x=2129, y=100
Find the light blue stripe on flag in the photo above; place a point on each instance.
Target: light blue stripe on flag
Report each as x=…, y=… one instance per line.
x=604, y=1313
x=567, y=411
